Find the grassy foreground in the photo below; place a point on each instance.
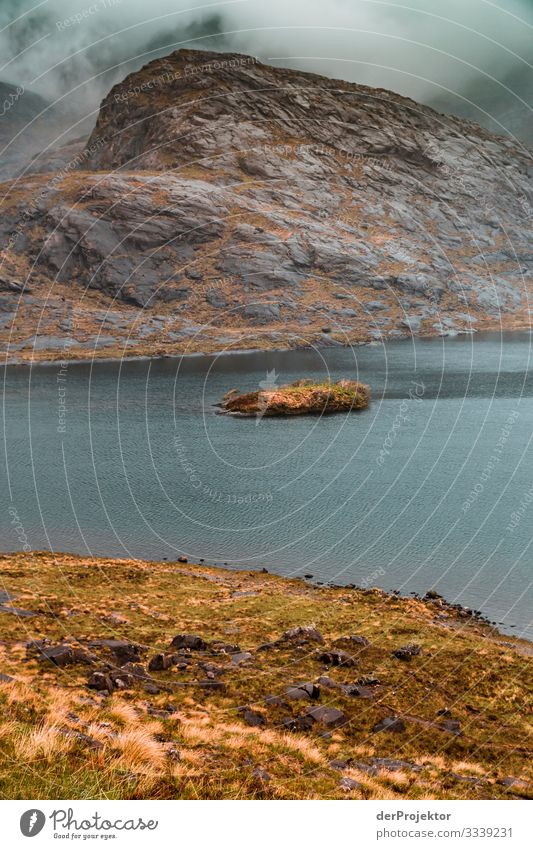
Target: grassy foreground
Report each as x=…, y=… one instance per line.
x=273, y=688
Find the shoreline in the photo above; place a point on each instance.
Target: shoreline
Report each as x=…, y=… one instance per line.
x=469, y=615
x=67, y=357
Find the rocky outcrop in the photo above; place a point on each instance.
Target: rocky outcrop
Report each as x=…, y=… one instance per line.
x=220, y=199
x=300, y=398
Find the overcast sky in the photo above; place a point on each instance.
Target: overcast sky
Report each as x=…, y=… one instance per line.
x=448, y=52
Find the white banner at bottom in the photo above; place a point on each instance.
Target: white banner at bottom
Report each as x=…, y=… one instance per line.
x=264, y=825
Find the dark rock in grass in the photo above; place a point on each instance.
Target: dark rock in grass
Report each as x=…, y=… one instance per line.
x=123, y=651
x=390, y=723
x=212, y=670
x=253, y=718
x=368, y=681
x=5, y=679
x=88, y=741
x=267, y=646
x=369, y=769
x=121, y=679
x=336, y=763
x=159, y=713
x=329, y=683
x=276, y=701
x=358, y=691
x=303, y=691
x=391, y=765
x=452, y=726
x=298, y=723
x=348, y=784
x=261, y=774
x=136, y=670
x=432, y=595
x=6, y=596
x=151, y=688
x=16, y=611
x=101, y=681
x=212, y=686
x=241, y=657
x=407, y=652
x=352, y=640
x=216, y=299
x=161, y=662
x=189, y=641
x=513, y=783
x=304, y=634
x=220, y=647
x=336, y=657
x=64, y=655
x=466, y=779
x=329, y=716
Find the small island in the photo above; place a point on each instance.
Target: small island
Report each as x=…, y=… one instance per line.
x=303, y=397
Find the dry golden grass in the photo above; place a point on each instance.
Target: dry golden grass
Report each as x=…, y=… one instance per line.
x=44, y=741
x=137, y=746
x=75, y=743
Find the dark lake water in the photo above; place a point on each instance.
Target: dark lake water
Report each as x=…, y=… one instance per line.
x=431, y=487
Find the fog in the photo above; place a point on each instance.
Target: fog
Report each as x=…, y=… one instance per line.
x=469, y=56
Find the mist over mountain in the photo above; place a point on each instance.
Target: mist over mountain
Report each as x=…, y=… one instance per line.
x=472, y=59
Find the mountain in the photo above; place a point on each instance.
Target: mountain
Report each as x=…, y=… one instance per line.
x=223, y=203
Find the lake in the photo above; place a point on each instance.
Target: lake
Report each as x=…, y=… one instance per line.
x=431, y=487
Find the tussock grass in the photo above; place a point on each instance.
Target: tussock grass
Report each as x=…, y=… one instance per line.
x=60, y=740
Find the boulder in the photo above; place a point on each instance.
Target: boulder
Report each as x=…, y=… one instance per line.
x=220, y=647
x=300, y=692
x=241, y=657
x=303, y=634
x=189, y=641
x=336, y=657
x=101, y=681
x=329, y=716
x=408, y=651
x=390, y=723
x=161, y=662
x=122, y=650
x=64, y=655
x=298, y=723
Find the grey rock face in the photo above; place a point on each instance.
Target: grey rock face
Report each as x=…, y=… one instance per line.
x=377, y=199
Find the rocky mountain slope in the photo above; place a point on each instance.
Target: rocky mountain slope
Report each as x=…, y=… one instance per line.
x=222, y=203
